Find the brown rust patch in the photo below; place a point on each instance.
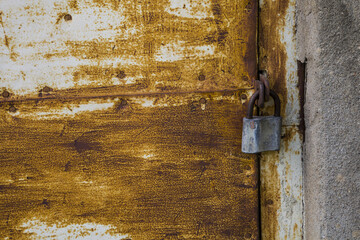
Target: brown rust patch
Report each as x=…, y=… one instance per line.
x=288, y=137
x=73, y=4
x=113, y=4
x=221, y=33
x=153, y=172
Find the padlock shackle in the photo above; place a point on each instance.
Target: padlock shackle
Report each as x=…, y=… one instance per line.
x=250, y=109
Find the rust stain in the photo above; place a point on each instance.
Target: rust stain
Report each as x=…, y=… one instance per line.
x=73, y=4
x=273, y=55
x=288, y=137
x=5, y=36
x=120, y=166
x=269, y=196
x=277, y=177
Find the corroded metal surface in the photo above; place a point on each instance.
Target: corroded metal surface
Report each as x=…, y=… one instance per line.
x=122, y=119
x=163, y=167
x=281, y=173
x=113, y=46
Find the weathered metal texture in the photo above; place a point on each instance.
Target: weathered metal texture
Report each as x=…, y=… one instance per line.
x=281, y=188
x=281, y=173
x=160, y=167
x=93, y=143
x=261, y=134
x=113, y=47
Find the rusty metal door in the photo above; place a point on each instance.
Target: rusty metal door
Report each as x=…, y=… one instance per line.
x=122, y=119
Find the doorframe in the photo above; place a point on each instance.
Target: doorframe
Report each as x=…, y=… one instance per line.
x=281, y=173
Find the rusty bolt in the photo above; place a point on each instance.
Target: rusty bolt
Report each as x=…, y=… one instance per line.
x=6, y=94
x=68, y=17
x=121, y=75
x=46, y=89
x=243, y=96
x=193, y=107
x=202, y=77
x=202, y=100
x=269, y=202
x=12, y=109
x=123, y=102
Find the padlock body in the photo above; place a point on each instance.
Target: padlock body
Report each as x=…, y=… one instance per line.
x=260, y=134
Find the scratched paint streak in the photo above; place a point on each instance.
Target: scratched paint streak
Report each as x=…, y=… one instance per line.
x=69, y=111
x=190, y=9
x=179, y=51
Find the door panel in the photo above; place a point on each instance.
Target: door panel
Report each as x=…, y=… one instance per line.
x=124, y=119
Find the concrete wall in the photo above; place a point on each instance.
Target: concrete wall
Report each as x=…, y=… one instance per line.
x=328, y=38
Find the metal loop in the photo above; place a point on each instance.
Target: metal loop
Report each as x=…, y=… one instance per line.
x=260, y=87
x=250, y=109
x=264, y=79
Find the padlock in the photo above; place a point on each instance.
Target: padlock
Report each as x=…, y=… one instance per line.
x=261, y=133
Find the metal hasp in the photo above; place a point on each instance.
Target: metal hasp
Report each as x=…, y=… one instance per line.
x=261, y=133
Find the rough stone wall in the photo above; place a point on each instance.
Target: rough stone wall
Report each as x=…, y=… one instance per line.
x=328, y=41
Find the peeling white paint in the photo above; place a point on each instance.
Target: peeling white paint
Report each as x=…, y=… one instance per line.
x=22, y=76
x=147, y=102
x=172, y=52
x=37, y=34
x=68, y=111
x=126, y=80
x=147, y=156
x=288, y=35
x=87, y=231
x=290, y=172
x=42, y=21
x=198, y=9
